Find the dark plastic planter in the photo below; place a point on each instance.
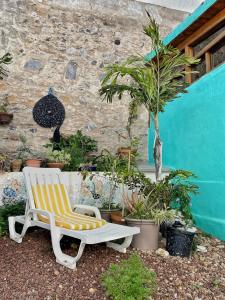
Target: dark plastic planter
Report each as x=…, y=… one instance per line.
x=179, y=242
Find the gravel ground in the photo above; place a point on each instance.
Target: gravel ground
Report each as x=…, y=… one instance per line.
x=29, y=271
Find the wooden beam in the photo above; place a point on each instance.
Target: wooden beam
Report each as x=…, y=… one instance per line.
x=203, y=30
x=208, y=61
x=211, y=44
x=188, y=52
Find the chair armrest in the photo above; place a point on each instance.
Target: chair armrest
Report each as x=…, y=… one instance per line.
x=50, y=216
x=88, y=207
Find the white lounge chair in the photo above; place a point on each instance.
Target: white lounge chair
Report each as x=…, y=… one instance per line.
x=48, y=206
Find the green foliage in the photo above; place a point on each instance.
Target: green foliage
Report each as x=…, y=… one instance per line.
x=79, y=146
x=59, y=156
x=151, y=84
x=4, y=60
x=3, y=157
x=107, y=162
x=8, y=210
x=152, y=200
x=129, y=280
x=182, y=188
x=3, y=107
x=23, y=151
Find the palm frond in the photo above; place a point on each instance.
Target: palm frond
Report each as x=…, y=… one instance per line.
x=4, y=60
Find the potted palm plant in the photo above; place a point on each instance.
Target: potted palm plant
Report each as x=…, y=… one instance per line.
x=151, y=83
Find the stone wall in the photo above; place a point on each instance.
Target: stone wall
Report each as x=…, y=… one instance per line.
x=65, y=44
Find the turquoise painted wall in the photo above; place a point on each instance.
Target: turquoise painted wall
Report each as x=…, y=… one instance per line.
x=193, y=135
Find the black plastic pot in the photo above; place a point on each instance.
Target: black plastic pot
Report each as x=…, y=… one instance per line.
x=179, y=242
x=163, y=229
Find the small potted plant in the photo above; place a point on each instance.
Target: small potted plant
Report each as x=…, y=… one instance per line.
x=144, y=207
x=109, y=209
x=3, y=158
x=57, y=158
x=130, y=151
x=26, y=155
x=16, y=164
x=33, y=159
x=144, y=213
x=5, y=117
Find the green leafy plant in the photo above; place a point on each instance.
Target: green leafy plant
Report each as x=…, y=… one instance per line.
x=129, y=280
x=181, y=190
x=158, y=200
x=8, y=210
x=24, y=150
x=3, y=107
x=4, y=60
x=59, y=156
x=106, y=161
x=79, y=146
x=151, y=84
x=3, y=157
x=146, y=208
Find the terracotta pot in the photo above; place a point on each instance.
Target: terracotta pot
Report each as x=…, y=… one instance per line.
x=5, y=118
x=56, y=165
x=16, y=165
x=106, y=213
x=35, y=163
x=117, y=218
x=148, y=237
x=125, y=151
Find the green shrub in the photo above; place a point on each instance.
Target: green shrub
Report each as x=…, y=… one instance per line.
x=78, y=146
x=9, y=210
x=129, y=280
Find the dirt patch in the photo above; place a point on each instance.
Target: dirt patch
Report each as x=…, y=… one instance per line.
x=29, y=271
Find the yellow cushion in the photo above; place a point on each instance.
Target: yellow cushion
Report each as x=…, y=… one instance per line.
x=54, y=198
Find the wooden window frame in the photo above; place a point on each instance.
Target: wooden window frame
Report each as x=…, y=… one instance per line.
x=187, y=45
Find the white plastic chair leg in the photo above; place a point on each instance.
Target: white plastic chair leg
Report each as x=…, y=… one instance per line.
x=64, y=259
x=12, y=232
x=121, y=247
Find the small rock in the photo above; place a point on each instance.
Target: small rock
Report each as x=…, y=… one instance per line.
x=161, y=252
x=56, y=272
x=189, y=297
x=92, y=290
x=60, y=286
x=71, y=70
x=201, y=249
x=33, y=65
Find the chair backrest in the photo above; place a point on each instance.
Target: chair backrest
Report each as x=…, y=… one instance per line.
x=46, y=189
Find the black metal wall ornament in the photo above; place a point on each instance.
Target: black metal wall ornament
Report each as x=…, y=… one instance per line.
x=49, y=112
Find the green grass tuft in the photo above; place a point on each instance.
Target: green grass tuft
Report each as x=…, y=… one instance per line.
x=129, y=280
